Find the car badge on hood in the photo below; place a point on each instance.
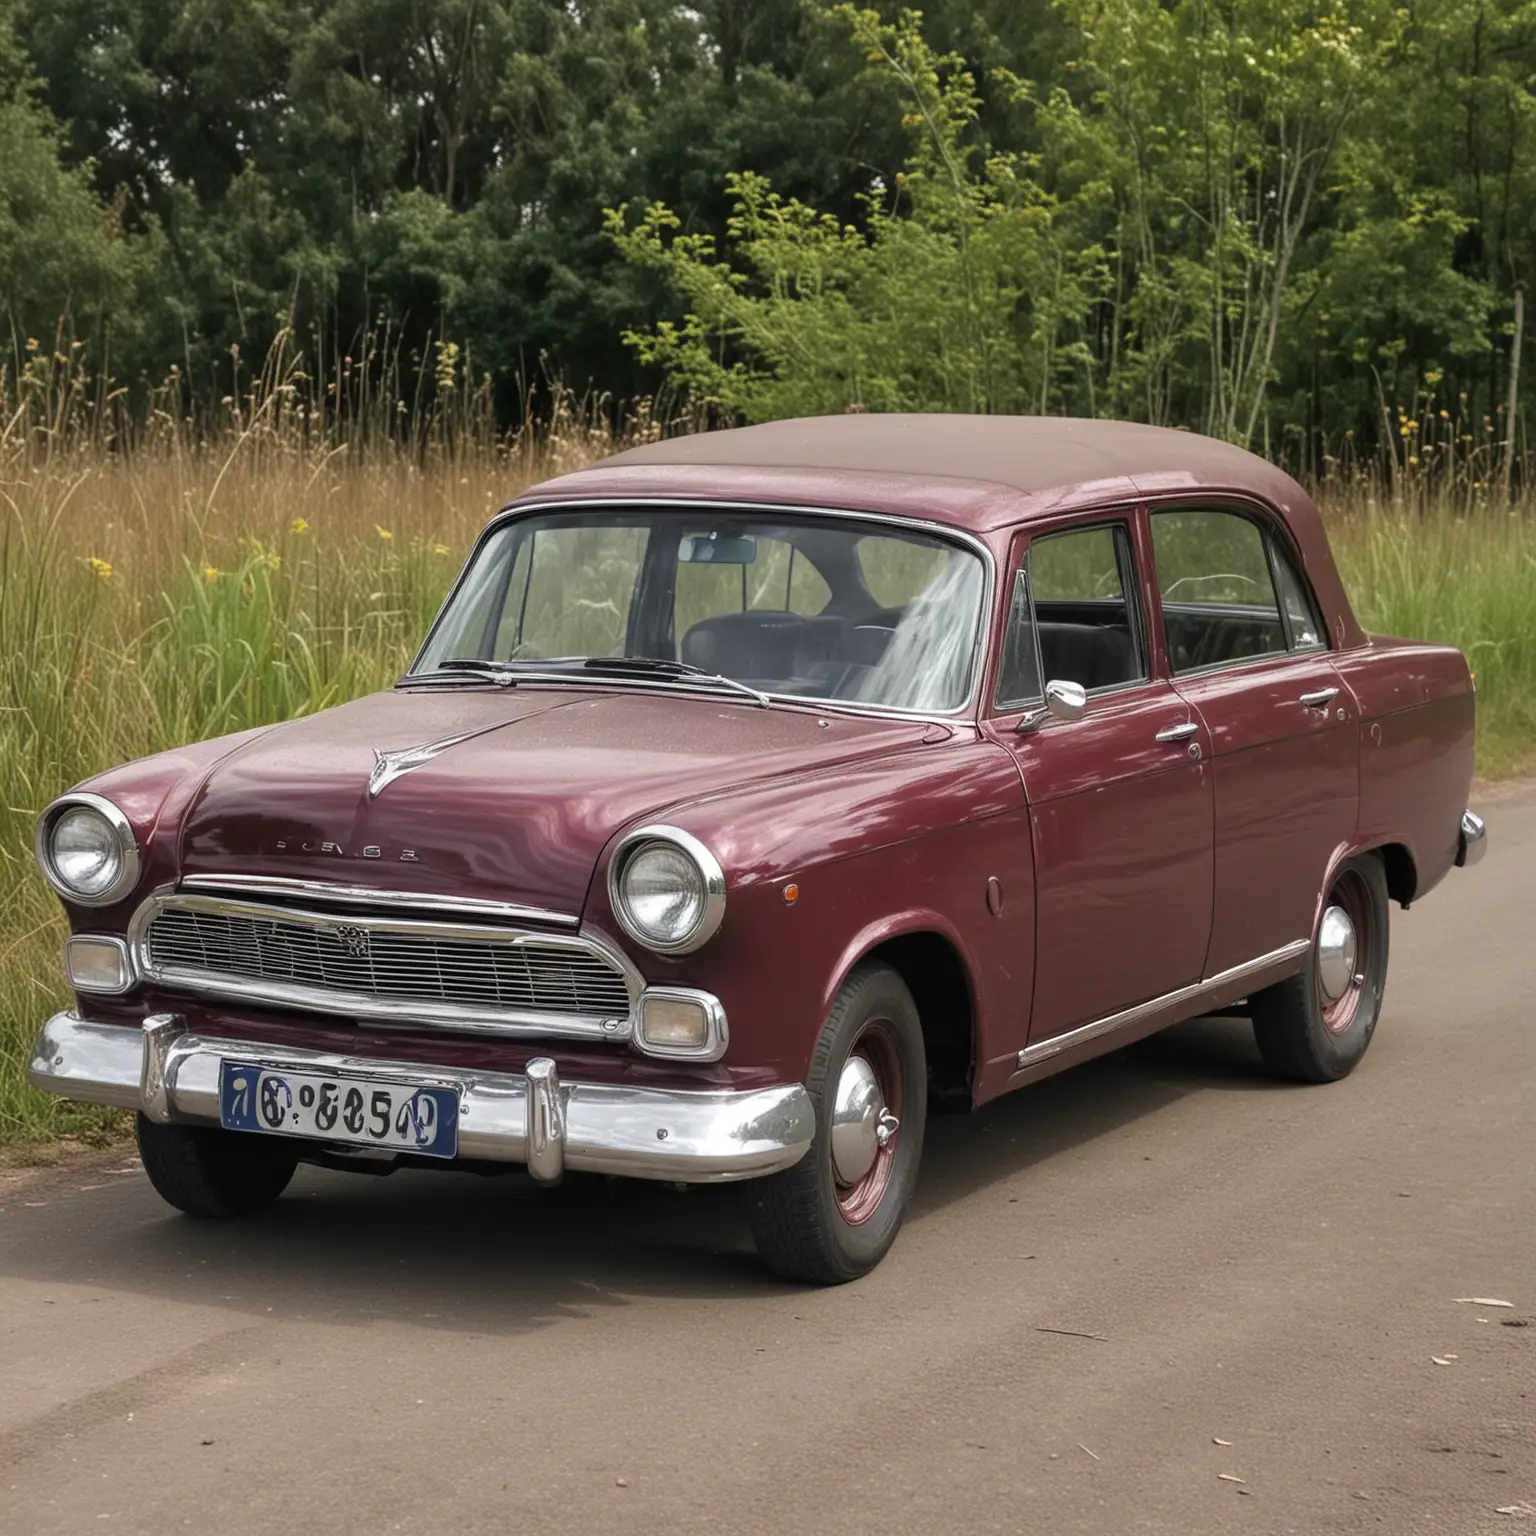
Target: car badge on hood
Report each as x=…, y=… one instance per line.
x=389, y=766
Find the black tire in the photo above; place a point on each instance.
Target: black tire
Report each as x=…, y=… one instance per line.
x=807, y=1225
x=1301, y=1034
x=214, y=1173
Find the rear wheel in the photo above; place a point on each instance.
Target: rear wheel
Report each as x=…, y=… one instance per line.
x=1316, y=1026
x=215, y=1173
x=833, y=1216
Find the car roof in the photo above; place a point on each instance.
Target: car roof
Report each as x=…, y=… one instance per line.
x=950, y=469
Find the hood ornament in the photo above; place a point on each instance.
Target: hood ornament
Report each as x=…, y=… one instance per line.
x=389, y=766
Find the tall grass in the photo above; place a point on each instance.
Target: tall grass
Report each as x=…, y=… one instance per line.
x=164, y=579
x=170, y=578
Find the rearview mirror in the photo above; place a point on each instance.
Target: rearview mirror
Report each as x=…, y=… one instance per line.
x=1067, y=701
x=717, y=549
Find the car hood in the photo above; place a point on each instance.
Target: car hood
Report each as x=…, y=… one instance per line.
x=505, y=795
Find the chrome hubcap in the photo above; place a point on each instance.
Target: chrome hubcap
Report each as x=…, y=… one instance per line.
x=1337, y=949
x=861, y=1124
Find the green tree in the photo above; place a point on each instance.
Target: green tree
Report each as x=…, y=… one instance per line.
x=952, y=294
x=64, y=266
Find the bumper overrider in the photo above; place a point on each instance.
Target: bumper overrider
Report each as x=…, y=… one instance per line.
x=1471, y=840
x=697, y=1136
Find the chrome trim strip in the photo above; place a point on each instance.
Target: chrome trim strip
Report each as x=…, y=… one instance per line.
x=127, y=843
x=327, y=893
x=1045, y=1049
x=109, y=941
x=698, y=1136
x=709, y=868
x=363, y=1005
x=967, y=540
x=1471, y=840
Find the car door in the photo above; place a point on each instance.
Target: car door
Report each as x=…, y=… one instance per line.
x=1247, y=650
x=1120, y=799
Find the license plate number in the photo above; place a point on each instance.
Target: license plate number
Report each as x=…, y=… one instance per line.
x=360, y=1111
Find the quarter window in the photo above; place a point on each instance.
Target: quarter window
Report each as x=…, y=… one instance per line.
x=1072, y=618
x=1300, y=615
x=1218, y=591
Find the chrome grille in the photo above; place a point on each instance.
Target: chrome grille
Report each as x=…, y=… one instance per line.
x=395, y=968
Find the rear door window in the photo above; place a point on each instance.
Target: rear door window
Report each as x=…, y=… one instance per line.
x=1217, y=587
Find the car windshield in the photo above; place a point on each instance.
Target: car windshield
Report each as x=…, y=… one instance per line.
x=828, y=608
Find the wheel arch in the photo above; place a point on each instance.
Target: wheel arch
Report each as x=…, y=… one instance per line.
x=1402, y=872
x=931, y=962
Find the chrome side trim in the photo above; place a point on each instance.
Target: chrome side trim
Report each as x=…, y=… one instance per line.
x=128, y=846
x=1045, y=1049
x=941, y=531
x=328, y=894
x=363, y=1005
x=709, y=868
x=696, y=1136
x=1471, y=840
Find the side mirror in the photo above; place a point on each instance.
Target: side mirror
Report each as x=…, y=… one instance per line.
x=1067, y=701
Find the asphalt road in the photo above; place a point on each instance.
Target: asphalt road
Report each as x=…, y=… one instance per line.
x=1272, y=1273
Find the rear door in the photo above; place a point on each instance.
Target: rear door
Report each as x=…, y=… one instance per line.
x=1120, y=800
x=1249, y=653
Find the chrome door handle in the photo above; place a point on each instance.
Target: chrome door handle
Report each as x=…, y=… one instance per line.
x=1179, y=732
x=1321, y=699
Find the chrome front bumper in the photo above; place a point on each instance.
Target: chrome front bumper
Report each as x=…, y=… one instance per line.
x=1472, y=840
x=690, y=1135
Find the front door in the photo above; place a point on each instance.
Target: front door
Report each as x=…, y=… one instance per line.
x=1120, y=800
x=1249, y=653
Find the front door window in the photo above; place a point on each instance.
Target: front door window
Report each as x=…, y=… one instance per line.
x=1072, y=619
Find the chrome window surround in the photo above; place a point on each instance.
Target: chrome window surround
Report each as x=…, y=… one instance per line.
x=127, y=843
x=523, y=1023
x=719, y=1034
x=941, y=531
x=103, y=940
x=633, y=843
x=328, y=893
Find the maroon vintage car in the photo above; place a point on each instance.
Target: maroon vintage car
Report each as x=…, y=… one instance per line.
x=757, y=793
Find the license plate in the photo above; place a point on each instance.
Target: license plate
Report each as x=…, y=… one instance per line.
x=360, y=1111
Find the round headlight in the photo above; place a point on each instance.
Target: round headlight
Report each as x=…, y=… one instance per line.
x=668, y=890
x=87, y=850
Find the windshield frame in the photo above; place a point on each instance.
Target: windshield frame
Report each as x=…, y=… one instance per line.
x=980, y=649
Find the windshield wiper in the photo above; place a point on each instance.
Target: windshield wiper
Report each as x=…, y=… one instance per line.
x=498, y=672
x=507, y=674
x=675, y=671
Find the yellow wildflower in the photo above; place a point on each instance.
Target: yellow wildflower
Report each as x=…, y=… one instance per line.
x=211, y=574
x=272, y=560
x=383, y=533
x=299, y=525
x=100, y=569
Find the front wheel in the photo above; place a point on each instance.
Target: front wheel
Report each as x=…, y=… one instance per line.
x=1316, y=1026
x=833, y=1216
x=205, y=1171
